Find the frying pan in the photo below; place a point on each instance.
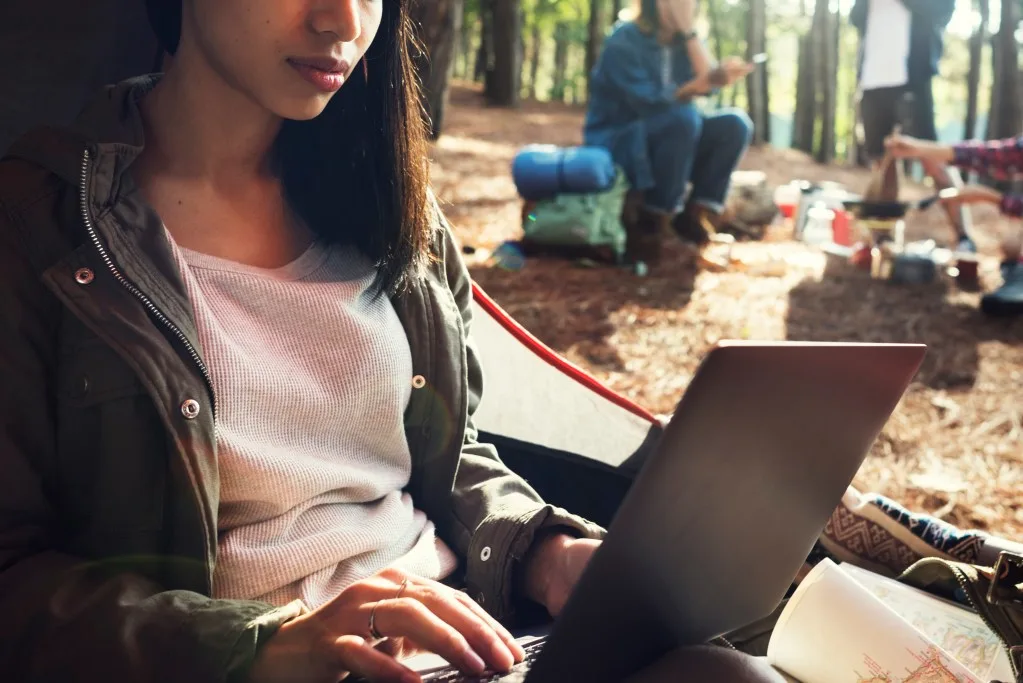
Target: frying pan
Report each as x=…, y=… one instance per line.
x=886, y=210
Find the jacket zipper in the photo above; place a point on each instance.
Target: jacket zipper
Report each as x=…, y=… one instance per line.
x=164, y=320
x=968, y=592
x=135, y=291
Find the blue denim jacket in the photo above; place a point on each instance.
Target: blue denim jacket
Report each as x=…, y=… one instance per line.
x=636, y=77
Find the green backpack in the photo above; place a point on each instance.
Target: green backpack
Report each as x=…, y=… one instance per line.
x=583, y=224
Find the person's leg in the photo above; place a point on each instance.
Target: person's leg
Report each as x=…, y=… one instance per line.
x=672, y=138
x=878, y=114
x=923, y=126
x=726, y=136
x=708, y=664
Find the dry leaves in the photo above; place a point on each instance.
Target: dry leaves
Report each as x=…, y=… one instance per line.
x=955, y=445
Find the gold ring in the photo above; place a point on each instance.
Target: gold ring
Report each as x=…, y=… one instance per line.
x=373, y=632
x=401, y=589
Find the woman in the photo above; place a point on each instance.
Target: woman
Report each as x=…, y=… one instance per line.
x=1001, y=159
x=641, y=110
x=237, y=385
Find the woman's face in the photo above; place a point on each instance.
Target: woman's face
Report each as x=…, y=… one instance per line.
x=289, y=56
x=675, y=15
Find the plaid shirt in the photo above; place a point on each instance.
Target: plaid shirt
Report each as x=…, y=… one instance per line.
x=1000, y=159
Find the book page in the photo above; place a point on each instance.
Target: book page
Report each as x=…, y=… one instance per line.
x=834, y=630
x=958, y=631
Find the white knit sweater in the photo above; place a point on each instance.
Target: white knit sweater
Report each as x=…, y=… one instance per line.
x=313, y=373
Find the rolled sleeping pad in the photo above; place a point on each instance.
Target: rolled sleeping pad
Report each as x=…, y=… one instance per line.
x=545, y=171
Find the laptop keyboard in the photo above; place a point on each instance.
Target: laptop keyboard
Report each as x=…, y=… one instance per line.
x=516, y=675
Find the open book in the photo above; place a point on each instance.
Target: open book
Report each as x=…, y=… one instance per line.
x=845, y=624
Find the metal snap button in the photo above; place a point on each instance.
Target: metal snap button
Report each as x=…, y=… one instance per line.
x=84, y=276
x=418, y=382
x=485, y=555
x=190, y=409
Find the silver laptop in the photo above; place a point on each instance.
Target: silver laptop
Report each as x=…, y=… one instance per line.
x=726, y=508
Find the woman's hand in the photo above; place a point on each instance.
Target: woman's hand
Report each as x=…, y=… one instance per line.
x=413, y=614
x=725, y=74
x=970, y=194
x=553, y=568
x=731, y=70
x=906, y=147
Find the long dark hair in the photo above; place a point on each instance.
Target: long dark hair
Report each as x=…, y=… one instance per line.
x=357, y=174
x=647, y=15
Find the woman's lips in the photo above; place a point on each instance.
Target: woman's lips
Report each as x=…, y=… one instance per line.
x=328, y=75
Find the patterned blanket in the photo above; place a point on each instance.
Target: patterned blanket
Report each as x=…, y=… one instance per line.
x=876, y=533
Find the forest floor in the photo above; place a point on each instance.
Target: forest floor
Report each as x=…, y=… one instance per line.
x=954, y=447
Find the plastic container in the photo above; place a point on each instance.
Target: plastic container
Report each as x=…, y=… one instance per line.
x=913, y=269
x=832, y=195
x=841, y=226
x=818, y=228
x=787, y=197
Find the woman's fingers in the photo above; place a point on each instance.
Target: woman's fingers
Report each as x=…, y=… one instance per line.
x=424, y=588
x=357, y=657
x=502, y=632
x=477, y=630
x=407, y=617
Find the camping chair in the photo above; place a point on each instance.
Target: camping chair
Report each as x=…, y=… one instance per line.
x=575, y=441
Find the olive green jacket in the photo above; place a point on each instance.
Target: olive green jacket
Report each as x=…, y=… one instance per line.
x=108, y=465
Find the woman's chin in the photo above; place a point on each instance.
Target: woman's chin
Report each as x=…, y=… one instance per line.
x=304, y=109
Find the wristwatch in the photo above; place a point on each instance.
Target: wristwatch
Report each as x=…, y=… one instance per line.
x=689, y=35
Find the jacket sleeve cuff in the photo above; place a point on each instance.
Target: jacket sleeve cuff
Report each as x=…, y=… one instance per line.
x=501, y=541
x=1012, y=205
x=256, y=632
x=964, y=155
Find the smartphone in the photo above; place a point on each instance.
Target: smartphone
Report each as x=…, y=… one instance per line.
x=759, y=58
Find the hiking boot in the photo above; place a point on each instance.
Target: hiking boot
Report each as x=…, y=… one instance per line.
x=1007, y=300
x=643, y=235
x=696, y=224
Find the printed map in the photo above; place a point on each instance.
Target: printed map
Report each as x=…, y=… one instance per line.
x=932, y=669
x=961, y=634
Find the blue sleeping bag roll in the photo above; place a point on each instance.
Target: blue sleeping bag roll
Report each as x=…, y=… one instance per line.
x=545, y=171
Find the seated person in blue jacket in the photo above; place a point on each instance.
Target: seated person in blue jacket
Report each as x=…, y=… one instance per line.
x=642, y=110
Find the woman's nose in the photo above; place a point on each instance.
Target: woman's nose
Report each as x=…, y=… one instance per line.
x=339, y=17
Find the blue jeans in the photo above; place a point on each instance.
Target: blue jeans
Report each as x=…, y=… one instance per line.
x=685, y=145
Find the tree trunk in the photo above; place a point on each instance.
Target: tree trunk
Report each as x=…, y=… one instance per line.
x=534, y=58
x=507, y=71
x=977, y=42
x=1006, y=115
x=465, y=49
x=485, y=53
x=828, y=49
x=439, y=24
x=717, y=47
x=595, y=36
x=756, y=82
x=804, y=121
x=560, y=62
x=616, y=9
